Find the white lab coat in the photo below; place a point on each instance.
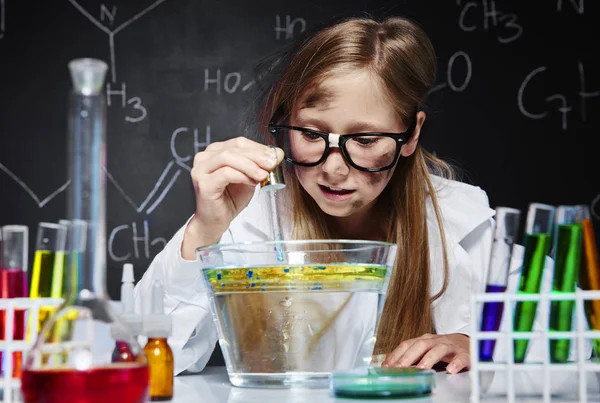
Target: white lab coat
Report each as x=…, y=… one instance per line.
x=468, y=223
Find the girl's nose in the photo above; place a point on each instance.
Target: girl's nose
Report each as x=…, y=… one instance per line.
x=335, y=164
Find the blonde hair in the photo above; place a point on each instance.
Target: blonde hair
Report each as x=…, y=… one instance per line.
x=400, y=54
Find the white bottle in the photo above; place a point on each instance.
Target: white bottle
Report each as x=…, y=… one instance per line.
x=127, y=280
x=133, y=321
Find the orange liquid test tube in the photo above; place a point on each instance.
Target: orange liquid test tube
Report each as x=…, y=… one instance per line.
x=589, y=277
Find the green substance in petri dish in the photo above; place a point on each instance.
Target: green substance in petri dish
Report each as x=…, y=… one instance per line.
x=383, y=383
x=315, y=277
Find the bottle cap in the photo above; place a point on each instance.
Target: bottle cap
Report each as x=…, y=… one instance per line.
x=157, y=324
x=133, y=323
x=127, y=276
x=274, y=180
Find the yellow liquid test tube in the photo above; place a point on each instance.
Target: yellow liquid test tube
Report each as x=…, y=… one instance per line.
x=48, y=265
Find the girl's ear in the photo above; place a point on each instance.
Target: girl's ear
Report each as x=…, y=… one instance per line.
x=411, y=145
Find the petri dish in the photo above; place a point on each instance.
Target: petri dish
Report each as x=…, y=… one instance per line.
x=382, y=382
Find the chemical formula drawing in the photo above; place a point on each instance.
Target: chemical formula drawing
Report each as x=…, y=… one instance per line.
x=137, y=111
x=39, y=201
x=453, y=80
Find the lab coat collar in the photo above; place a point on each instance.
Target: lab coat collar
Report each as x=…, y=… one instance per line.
x=463, y=207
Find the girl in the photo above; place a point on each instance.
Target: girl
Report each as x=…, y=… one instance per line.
x=356, y=76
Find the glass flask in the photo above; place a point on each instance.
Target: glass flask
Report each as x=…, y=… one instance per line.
x=289, y=313
x=71, y=358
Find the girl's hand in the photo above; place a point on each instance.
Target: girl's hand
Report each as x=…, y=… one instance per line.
x=429, y=349
x=224, y=176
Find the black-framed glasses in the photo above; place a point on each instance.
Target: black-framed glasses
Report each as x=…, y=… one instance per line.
x=369, y=152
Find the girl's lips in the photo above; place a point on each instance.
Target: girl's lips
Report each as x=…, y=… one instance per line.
x=336, y=195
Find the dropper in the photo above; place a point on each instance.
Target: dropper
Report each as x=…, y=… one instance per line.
x=273, y=183
x=131, y=319
x=157, y=324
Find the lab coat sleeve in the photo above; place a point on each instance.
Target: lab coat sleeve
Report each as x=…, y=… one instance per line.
x=472, y=258
x=186, y=301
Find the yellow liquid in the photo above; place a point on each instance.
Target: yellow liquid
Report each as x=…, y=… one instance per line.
x=47, y=280
x=345, y=276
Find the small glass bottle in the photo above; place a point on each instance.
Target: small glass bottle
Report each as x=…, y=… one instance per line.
x=157, y=327
x=122, y=351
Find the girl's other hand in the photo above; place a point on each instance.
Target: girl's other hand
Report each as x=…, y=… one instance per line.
x=430, y=349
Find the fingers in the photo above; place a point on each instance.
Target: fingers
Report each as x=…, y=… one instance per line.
x=428, y=350
x=255, y=167
x=436, y=354
x=223, y=177
x=252, y=159
x=394, y=357
x=415, y=352
x=247, y=146
x=461, y=361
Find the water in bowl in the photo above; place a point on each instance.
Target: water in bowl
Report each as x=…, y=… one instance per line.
x=292, y=325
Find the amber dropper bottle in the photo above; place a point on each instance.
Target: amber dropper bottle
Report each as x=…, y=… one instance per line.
x=157, y=327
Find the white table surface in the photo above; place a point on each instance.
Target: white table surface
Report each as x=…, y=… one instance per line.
x=212, y=386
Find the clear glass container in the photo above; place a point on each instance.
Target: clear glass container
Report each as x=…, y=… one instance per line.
x=71, y=358
x=289, y=313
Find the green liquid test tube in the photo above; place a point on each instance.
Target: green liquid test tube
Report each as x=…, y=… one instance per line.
x=566, y=268
x=537, y=242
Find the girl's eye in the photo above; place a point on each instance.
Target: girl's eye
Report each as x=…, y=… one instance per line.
x=366, y=141
x=311, y=136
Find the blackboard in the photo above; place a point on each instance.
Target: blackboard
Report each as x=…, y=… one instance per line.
x=516, y=105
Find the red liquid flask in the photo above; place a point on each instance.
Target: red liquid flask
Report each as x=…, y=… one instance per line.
x=117, y=383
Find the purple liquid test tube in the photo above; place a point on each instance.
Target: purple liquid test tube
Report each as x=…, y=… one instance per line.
x=505, y=232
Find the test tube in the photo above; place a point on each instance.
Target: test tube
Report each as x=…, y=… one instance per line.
x=567, y=252
x=66, y=274
x=15, y=243
x=48, y=260
x=505, y=233
x=589, y=271
x=537, y=242
x=48, y=267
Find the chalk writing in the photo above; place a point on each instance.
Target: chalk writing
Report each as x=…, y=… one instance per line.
x=578, y=5
x=474, y=14
x=140, y=242
x=40, y=202
x=198, y=146
x=138, y=113
x=583, y=94
x=229, y=82
x=289, y=28
x=167, y=172
x=2, y=19
x=110, y=15
x=455, y=84
x=559, y=99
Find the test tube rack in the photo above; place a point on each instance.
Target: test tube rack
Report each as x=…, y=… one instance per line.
x=9, y=386
x=581, y=367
